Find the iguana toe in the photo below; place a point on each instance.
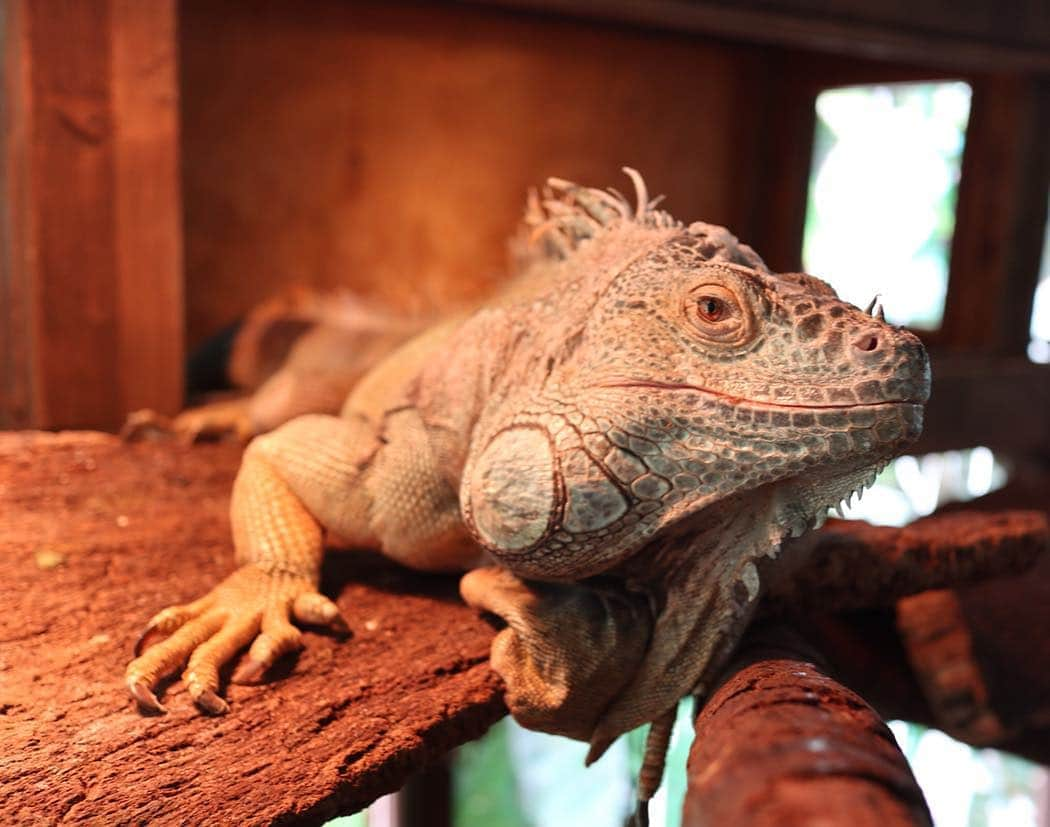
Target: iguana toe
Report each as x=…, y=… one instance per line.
x=145, y=424
x=167, y=621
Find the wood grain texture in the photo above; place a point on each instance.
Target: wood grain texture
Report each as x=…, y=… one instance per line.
x=1001, y=216
x=818, y=572
x=19, y=393
x=148, y=205
x=94, y=538
x=388, y=148
x=92, y=233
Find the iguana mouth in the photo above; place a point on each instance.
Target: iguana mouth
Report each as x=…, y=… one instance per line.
x=758, y=403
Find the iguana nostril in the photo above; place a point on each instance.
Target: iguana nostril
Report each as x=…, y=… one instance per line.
x=866, y=342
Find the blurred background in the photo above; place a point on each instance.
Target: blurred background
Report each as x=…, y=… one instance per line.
x=169, y=165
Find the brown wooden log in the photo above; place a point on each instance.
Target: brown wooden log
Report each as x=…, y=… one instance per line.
x=95, y=537
x=970, y=661
x=851, y=564
x=781, y=743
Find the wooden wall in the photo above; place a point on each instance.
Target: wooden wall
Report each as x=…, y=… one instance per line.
x=90, y=236
x=167, y=164
x=389, y=147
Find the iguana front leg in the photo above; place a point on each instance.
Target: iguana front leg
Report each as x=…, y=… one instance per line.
x=291, y=483
x=568, y=649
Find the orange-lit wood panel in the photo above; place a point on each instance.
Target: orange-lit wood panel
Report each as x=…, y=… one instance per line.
x=389, y=148
x=91, y=254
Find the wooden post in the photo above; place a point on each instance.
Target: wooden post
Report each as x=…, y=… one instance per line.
x=1001, y=216
x=91, y=303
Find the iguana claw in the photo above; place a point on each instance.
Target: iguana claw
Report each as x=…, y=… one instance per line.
x=146, y=699
x=140, y=641
x=211, y=703
x=249, y=672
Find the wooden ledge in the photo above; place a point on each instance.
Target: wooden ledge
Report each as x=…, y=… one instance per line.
x=96, y=536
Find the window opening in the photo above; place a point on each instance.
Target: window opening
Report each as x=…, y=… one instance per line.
x=882, y=194
x=1039, y=346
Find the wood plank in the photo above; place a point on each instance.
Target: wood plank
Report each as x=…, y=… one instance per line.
x=18, y=357
x=91, y=249
x=976, y=34
x=71, y=173
x=148, y=205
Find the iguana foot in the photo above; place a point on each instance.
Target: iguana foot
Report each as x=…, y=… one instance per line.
x=214, y=421
x=146, y=424
x=568, y=650
x=251, y=606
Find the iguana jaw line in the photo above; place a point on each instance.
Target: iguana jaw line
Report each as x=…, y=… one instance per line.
x=737, y=400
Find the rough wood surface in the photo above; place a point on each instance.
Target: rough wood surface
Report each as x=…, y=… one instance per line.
x=851, y=564
x=781, y=743
x=94, y=538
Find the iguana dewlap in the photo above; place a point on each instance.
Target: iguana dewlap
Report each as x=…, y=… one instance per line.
x=642, y=417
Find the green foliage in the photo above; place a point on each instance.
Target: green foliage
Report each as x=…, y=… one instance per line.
x=484, y=784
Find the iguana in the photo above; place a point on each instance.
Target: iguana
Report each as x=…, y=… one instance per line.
x=612, y=449
x=299, y=352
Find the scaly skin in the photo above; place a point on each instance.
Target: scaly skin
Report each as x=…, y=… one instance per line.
x=628, y=432
x=295, y=354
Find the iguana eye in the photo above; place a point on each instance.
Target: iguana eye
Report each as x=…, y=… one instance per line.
x=718, y=315
x=712, y=308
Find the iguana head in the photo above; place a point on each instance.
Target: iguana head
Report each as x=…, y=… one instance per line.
x=669, y=374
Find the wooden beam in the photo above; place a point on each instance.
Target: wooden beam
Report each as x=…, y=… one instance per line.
x=818, y=571
x=19, y=394
x=1003, y=404
x=974, y=34
x=145, y=96
x=92, y=241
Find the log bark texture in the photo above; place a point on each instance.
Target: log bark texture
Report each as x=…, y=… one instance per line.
x=781, y=743
x=853, y=565
x=95, y=537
